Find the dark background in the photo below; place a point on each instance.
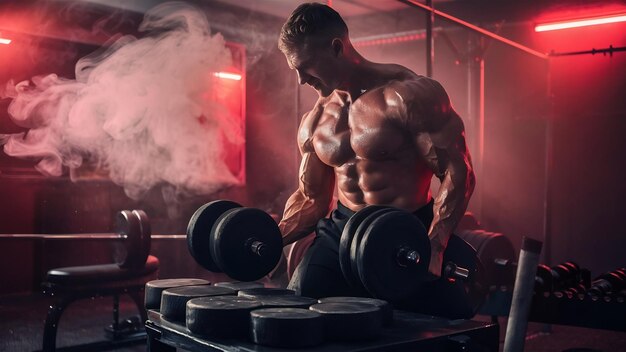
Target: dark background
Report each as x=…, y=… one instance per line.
x=583, y=97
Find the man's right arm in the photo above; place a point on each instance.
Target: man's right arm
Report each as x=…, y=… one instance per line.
x=311, y=201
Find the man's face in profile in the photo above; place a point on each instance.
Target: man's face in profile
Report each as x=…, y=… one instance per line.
x=315, y=66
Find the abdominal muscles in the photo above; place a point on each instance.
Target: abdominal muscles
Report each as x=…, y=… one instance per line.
x=403, y=183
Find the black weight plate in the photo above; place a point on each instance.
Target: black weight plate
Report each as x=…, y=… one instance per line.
x=470, y=236
x=286, y=301
x=199, y=232
x=350, y=321
x=127, y=249
x=485, y=237
x=384, y=306
x=378, y=267
x=265, y=291
x=345, y=241
x=498, y=247
x=356, y=240
x=230, y=241
x=543, y=279
x=174, y=300
x=238, y=285
x=154, y=288
x=222, y=316
x=145, y=238
x=286, y=327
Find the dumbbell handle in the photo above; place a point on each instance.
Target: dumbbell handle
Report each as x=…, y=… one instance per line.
x=257, y=247
x=407, y=256
x=453, y=271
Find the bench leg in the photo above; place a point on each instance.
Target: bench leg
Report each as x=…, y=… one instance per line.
x=138, y=298
x=52, y=322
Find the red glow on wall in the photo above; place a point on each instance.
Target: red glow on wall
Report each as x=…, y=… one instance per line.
x=230, y=93
x=577, y=38
x=581, y=22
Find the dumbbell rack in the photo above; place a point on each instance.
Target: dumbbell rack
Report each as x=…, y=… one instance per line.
x=409, y=332
x=554, y=308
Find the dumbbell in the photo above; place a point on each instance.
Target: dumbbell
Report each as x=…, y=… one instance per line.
x=565, y=275
x=496, y=253
x=243, y=243
x=543, y=279
x=608, y=283
x=386, y=252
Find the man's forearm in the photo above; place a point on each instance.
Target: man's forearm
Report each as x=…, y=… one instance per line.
x=301, y=215
x=451, y=202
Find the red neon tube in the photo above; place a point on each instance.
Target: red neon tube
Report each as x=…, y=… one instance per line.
x=580, y=22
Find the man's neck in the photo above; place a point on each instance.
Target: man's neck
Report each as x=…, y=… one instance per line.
x=360, y=76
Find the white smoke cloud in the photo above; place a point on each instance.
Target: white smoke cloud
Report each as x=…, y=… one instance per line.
x=140, y=109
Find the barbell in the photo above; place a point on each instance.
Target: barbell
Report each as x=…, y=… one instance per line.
x=131, y=240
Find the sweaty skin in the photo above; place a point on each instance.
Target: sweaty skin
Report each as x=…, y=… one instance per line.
x=382, y=146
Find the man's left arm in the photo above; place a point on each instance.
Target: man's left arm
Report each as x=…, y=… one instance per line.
x=440, y=138
x=457, y=184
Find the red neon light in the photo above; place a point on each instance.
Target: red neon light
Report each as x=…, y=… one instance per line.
x=580, y=23
x=389, y=40
x=5, y=41
x=227, y=75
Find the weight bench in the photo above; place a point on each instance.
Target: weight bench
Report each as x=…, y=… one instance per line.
x=80, y=282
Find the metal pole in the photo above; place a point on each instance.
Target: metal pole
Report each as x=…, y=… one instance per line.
x=476, y=115
x=430, y=42
x=548, y=166
x=522, y=295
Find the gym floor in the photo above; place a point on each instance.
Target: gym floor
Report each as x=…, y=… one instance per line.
x=22, y=317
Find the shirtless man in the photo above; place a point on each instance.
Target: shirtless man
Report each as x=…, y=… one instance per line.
x=377, y=133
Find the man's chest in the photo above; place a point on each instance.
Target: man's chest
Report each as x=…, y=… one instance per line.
x=344, y=132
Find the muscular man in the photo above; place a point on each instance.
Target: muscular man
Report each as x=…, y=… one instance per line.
x=377, y=133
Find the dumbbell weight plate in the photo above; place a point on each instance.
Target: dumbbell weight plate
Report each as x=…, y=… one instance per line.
x=127, y=249
x=497, y=246
x=356, y=241
x=345, y=242
x=200, y=228
x=230, y=242
x=378, y=267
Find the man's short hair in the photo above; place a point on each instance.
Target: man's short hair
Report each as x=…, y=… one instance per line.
x=311, y=20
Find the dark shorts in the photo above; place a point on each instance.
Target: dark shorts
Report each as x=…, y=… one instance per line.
x=319, y=274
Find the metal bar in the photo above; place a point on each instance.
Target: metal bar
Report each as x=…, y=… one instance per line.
x=593, y=51
x=475, y=28
x=548, y=168
x=430, y=42
x=82, y=236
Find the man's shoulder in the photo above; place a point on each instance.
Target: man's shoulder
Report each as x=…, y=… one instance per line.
x=414, y=88
x=308, y=122
x=419, y=100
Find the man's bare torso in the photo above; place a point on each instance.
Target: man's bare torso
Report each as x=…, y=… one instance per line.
x=372, y=144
